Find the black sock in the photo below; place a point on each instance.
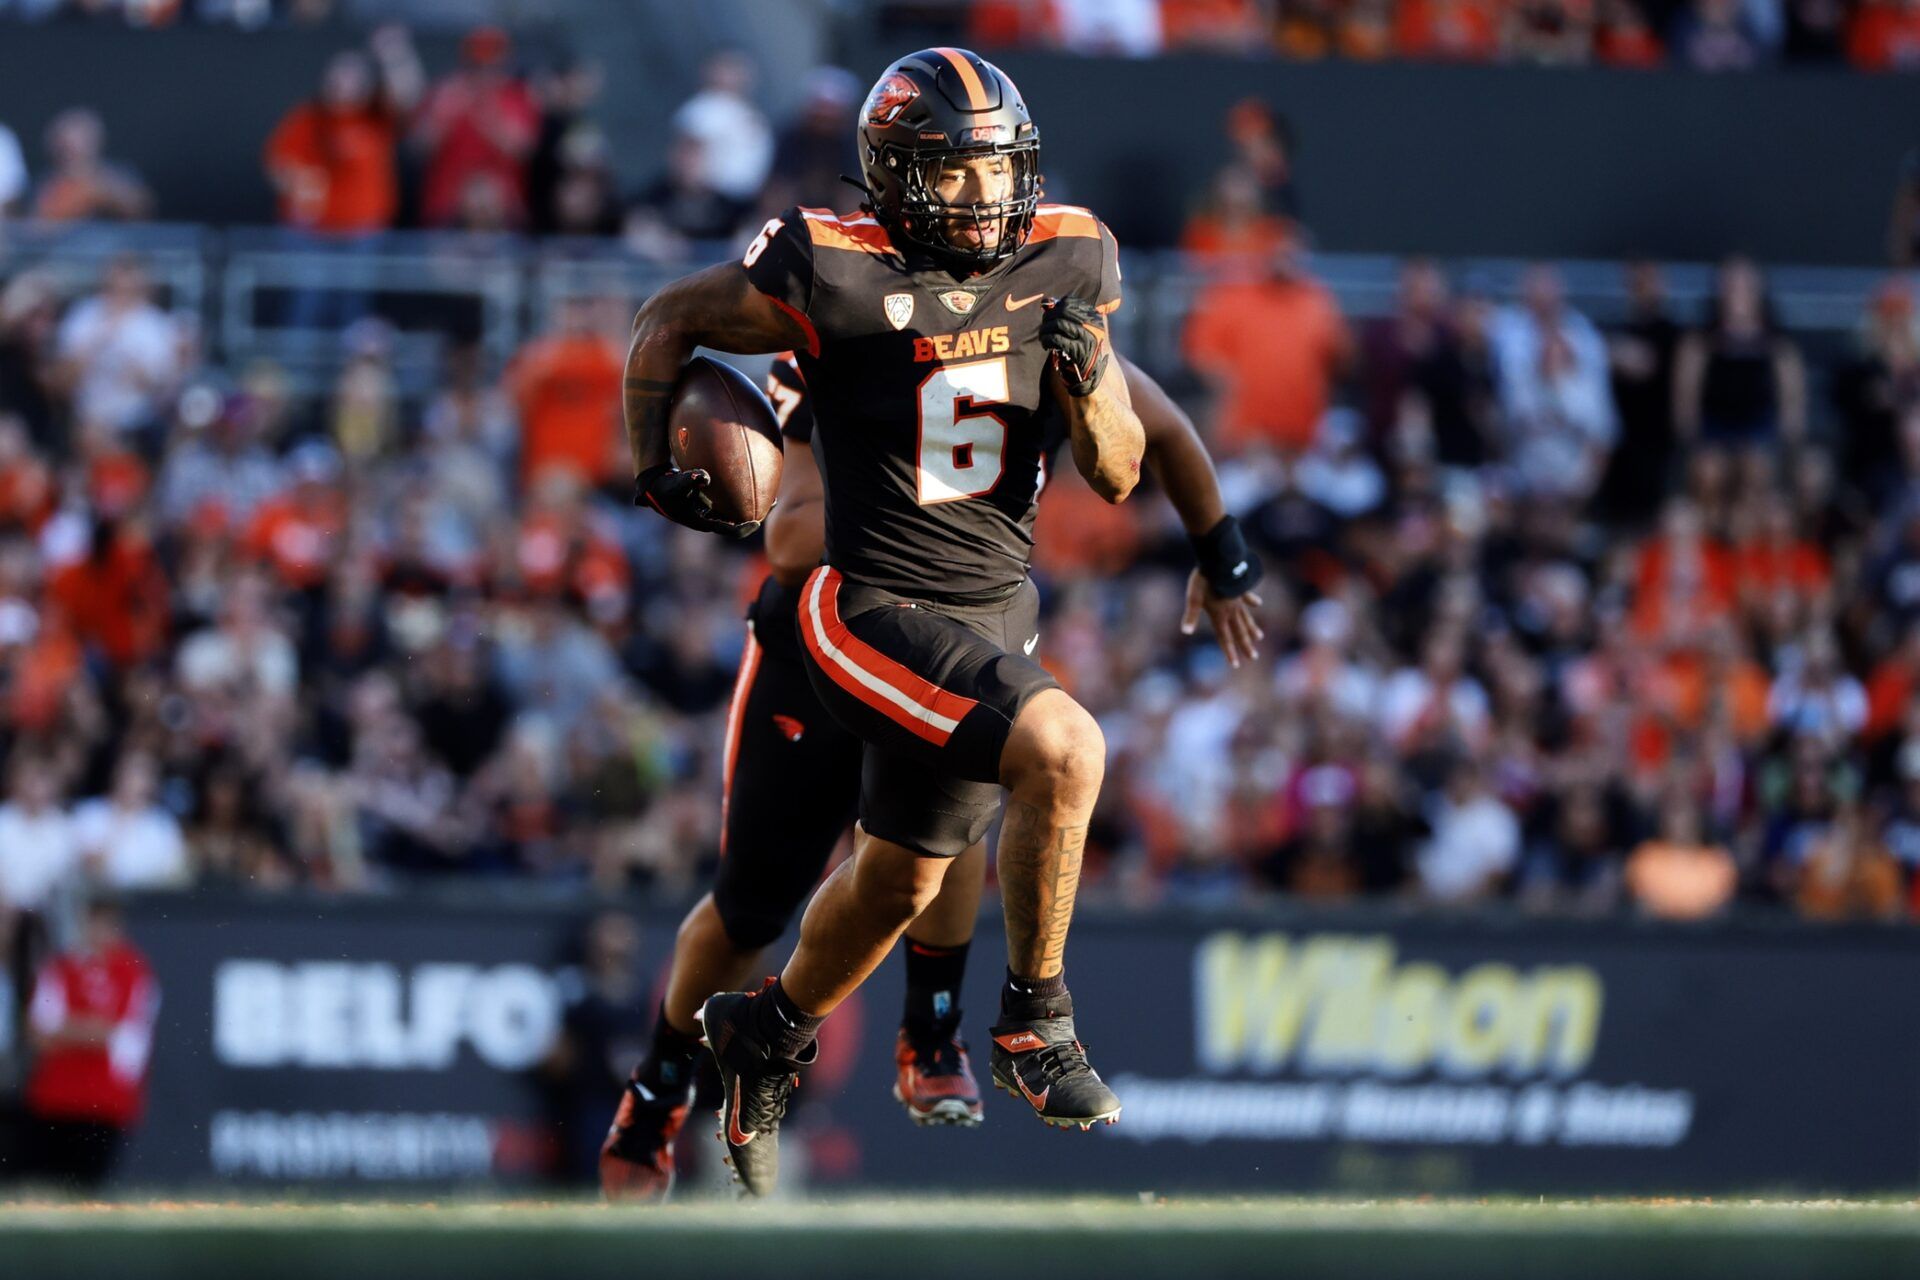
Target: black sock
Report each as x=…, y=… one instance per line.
x=780, y=1024
x=1029, y=998
x=933, y=988
x=668, y=1066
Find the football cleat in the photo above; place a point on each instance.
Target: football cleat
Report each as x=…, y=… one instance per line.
x=636, y=1160
x=755, y=1086
x=935, y=1080
x=1040, y=1060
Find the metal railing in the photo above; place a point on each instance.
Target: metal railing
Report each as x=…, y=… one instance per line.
x=262, y=293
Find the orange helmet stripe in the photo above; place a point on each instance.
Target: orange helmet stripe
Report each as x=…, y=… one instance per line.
x=976, y=91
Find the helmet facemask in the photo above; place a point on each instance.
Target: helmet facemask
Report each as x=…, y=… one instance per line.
x=924, y=218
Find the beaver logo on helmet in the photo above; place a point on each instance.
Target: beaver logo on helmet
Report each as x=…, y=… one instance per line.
x=889, y=98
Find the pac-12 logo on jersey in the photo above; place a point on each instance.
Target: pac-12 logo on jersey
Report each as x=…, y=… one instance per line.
x=899, y=309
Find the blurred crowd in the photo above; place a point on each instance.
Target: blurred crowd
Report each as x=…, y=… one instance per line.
x=1585, y=617
x=1700, y=35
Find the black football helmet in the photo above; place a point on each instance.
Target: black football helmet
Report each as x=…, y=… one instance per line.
x=926, y=110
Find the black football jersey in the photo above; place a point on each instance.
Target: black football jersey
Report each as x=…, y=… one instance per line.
x=787, y=393
x=930, y=410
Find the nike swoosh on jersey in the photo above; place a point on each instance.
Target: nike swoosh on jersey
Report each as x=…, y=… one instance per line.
x=1027, y=648
x=642, y=1090
x=1014, y=304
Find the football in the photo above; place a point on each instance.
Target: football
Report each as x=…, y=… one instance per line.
x=720, y=423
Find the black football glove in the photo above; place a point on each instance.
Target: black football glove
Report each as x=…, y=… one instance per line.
x=678, y=496
x=1075, y=332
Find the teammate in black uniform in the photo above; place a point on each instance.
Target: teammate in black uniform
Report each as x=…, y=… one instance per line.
x=792, y=777
x=935, y=324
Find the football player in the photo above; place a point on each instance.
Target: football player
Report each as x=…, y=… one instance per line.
x=790, y=788
x=935, y=327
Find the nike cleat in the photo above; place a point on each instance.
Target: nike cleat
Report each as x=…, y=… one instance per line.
x=636, y=1160
x=755, y=1086
x=935, y=1081
x=1040, y=1060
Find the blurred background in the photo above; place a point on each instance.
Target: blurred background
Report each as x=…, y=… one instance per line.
x=360, y=741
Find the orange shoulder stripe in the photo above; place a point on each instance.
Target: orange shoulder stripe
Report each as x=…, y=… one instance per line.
x=854, y=231
x=1051, y=220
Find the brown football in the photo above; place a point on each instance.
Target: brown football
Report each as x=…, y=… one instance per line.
x=720, y=423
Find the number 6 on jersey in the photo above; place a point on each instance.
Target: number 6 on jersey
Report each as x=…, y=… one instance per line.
x=961, y=447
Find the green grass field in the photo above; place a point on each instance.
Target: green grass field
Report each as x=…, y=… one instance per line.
x=917, y=1238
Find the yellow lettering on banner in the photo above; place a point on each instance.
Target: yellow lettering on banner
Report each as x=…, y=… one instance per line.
x=1346, y=975
x=1330, y=1004
x=1410, y=1019
x=1484, y=1012
x=1561, y=1023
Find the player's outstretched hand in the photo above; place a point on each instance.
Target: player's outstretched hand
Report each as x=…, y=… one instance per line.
x=1234, y=622
x=1075, y=332
x=680, y=497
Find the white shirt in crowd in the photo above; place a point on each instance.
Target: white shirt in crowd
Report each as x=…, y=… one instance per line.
x=1130, y=27
x=142, y=849
x=1409, y=695
x=212, y=657
x=1473, y=840
x=736, y=142
x=13, y=169
x=37, y=853
x=126, y=359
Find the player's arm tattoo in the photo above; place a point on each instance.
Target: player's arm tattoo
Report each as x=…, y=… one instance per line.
x=717, y=308
x=1039, y=865
x=1107, y=438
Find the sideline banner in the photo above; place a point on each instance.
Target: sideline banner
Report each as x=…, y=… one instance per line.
x=397, y=1043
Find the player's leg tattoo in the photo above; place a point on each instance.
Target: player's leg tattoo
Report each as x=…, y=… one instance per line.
x=1039, y=862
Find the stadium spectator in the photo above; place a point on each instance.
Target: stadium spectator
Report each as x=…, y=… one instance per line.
x=1233, y=228
x=1679, y=874
x=680, y=207
x=1447, y=30
x=1816, y=30
x=1885, y=36
x=1262, y=144
x=1640, y=355
x=1551, y=364
x=29, y=385
x=1548, y=32
x=605, y=1023
x=1270, y=345
x=92, y=1022
x=38, y=854
x=1475, y=845
x=566, y=385
x=1739, y=385
x=1623, y=37
x=332, y=158
x=1418, y=390
x=1847, y=873
x=118, y=356
x=218, y=468
x=1715, y=35
x=731, y=135
x=477, y=126
x=82, y=185
x=126, y=838
x=1129, y=28
x=113, y=597
x=14, y=182
x=814, y=149
x=564, y=91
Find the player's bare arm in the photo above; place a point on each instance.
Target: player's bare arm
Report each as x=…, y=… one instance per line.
x=715, y=308
x=796, y=527
x=1221, y=584
x=1107, y=439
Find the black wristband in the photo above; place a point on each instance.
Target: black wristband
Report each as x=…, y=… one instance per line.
x=1226, y=561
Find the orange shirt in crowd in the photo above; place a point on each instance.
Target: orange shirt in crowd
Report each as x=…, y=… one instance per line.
x=1889, y=689
x=1635, y=48
x=1836, y=883
x=1447, y=30
x=1681, y=881
x=115, y=602
x=1257, y=238
x=1078, y=532
x=567, y=388
x=1765, y=568
x=335, y=169
x=1663, y=598
x=1207, y=22
x=298, y=539
x=1275, y=346
x=1884, y=37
